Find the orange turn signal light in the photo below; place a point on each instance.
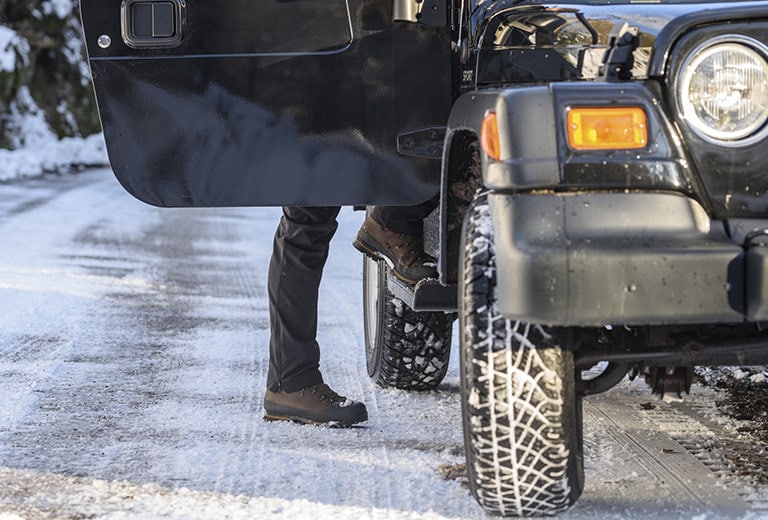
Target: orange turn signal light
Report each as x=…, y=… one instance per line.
x=489, y=136
x=607, y=128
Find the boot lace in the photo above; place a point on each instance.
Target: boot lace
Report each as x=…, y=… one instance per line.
x=324, y=393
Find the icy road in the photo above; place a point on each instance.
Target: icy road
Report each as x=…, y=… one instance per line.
x=133, y=358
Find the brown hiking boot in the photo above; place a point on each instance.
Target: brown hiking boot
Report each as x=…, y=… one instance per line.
x=316, y=404
x=404, y=253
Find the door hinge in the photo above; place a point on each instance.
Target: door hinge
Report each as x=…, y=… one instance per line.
x=427, y=142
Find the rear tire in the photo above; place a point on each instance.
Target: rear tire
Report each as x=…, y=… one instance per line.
x=521, y=414
x=403, y=348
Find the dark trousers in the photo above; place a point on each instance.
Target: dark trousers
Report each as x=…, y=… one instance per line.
x=299, y=253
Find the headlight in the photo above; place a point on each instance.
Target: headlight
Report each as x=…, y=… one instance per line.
x=723, y=90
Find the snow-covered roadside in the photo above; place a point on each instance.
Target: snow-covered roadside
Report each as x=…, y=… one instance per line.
x=50, y=155
x=56, y=496
x=38, y=151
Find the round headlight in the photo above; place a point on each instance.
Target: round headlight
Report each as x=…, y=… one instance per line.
x=723, y=90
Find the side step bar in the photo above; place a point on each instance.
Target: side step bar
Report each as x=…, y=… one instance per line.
x=425, y=295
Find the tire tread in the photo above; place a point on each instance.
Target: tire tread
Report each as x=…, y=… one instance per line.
x=523, y=455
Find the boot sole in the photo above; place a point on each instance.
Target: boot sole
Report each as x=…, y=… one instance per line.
x=304, y=420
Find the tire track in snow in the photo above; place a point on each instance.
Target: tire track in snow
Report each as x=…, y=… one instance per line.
x=680, y=475
x=36, y=218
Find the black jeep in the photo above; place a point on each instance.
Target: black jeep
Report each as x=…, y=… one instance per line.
x=601, y=168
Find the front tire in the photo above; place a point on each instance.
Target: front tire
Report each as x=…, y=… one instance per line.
x=403, y=348
x=521, y=414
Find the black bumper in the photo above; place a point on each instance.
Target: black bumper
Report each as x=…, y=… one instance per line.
x=622, y=258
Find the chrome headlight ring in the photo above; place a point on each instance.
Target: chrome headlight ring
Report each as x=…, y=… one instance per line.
x=722, y=91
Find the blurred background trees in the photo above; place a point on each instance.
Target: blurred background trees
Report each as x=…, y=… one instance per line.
x=45, y=85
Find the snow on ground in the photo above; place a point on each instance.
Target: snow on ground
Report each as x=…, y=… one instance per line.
x=133, y=346
x=136, y=343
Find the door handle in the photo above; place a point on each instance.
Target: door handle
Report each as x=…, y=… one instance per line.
x=152, y=23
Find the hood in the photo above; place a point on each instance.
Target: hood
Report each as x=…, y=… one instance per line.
x=581, y=30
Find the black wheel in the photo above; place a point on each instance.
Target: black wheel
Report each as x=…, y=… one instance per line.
x=521, y=414
x=403, y=348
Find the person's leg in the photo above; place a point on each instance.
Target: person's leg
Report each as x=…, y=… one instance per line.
x=295, y=388
x=396, y=234
x=299, y=253
x=405, y=220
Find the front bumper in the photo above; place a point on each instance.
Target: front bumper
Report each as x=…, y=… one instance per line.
x=637, y=258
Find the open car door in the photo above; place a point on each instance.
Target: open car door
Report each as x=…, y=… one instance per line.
x=270, y=102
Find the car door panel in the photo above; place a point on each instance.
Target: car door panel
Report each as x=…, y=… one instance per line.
x=260, y=103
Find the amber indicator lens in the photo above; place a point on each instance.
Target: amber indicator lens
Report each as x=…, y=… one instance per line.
x=489, y=136
x=607, y=128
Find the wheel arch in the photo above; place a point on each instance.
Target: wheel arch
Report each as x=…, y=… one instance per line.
x=462, y=175
x=530, y=156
